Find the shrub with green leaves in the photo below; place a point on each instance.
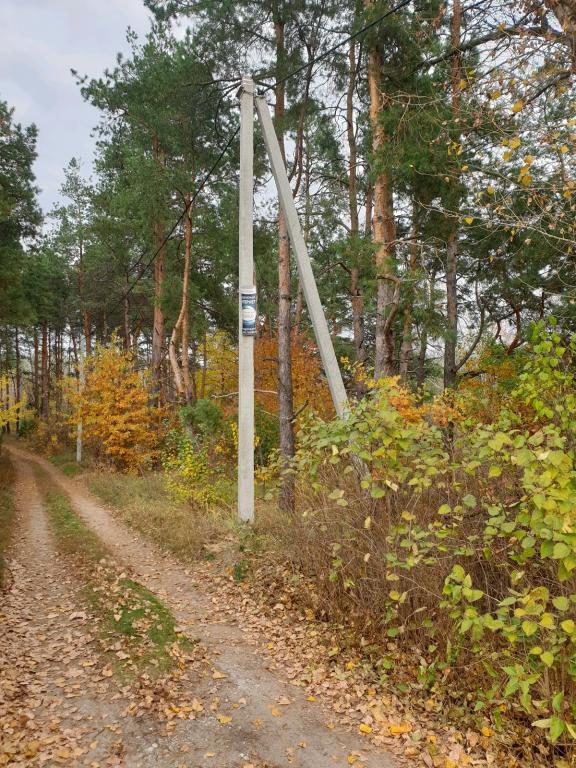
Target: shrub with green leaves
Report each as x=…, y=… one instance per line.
x=462, y=538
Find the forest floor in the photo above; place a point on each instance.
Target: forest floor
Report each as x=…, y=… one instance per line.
x=66, y=699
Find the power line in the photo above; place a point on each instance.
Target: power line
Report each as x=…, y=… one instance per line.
x=335, y=47
x=206, y=178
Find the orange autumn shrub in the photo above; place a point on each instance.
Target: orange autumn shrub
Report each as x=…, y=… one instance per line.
x=310, y=386
x=117, y=418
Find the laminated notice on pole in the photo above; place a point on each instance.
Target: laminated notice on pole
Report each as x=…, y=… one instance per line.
x=248, y=297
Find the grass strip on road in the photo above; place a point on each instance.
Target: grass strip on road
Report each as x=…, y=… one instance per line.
x=7, y=516
x=134, y=626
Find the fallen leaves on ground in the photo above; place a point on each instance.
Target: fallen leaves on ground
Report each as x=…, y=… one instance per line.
x=338, y=669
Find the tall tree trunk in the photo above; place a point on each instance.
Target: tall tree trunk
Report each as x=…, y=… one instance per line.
x=406, y=350
x=421, y=364
x=36, y=382
x=565, y=12
x=384, y=228
x=285, y=392
x=356, y=295
x=204, y=366
x=58, y=368
x=45, y=405
x=18, y=376
x=126, y=317
x=452, y=239
x=181, y=372
x=159, y=265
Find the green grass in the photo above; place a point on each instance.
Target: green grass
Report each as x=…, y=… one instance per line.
x=67, y=463
x=144, y=503
x=127, y=611
x=6, y=510
x=72, y=534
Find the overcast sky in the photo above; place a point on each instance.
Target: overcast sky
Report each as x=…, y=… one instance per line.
x=40, y=41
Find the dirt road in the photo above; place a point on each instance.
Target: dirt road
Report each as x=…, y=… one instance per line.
x=271, y=722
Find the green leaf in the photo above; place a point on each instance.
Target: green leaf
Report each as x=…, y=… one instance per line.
x=529, y=628
x=377, y=493
x=557, y=727
x=541, y=723
x=560, y=550
x=568, y=626
x=547, y=658
x=547, y=621
x=458, y=573
x=561, y=603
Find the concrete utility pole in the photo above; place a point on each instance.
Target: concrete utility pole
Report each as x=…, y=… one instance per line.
x=81, y=389
x=307, y=280
x=246, y=307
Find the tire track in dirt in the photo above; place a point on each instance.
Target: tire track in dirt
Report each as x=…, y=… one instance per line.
x=294, y=735
x=56, y=708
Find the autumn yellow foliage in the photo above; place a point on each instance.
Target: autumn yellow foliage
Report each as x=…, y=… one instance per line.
x=8, y=410
x=114, y=406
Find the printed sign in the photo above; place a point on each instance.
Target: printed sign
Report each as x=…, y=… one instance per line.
x=248, y=298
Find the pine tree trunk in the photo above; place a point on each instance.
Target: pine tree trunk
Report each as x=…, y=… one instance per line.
x=58, y=368
x=356, y=296
x=36, y=383
x=182, y=373
x=285, y=393
x=384, y=229
x=126, y=317
x=452, y=240
x=158, y=317
x=421, y=364
x=45, y=405
x=188, y=388
x=406, y=350
x=18, y=376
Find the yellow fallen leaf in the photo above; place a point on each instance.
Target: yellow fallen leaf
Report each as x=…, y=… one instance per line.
x=365, y=728
x=469, y=219
x=223, y=719
x=486, y=731
x=209, y=754
x=310, y=698
x=400, y=728
x=217, y=675
x=517, y=106
x=564, y=149
x=275, y=712
x=514, y=143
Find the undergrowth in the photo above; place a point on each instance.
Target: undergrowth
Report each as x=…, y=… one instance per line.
x=454, y=537
x=6, y=510
x=145, y=504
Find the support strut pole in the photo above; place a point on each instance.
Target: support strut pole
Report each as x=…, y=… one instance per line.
x=310, y=290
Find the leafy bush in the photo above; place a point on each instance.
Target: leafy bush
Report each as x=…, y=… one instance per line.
x=189, y=474
x=118, y=420
x=461, y=540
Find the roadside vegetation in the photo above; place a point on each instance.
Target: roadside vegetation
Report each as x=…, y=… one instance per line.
x=6, y=510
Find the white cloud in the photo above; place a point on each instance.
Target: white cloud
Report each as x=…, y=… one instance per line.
x=41, y=41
